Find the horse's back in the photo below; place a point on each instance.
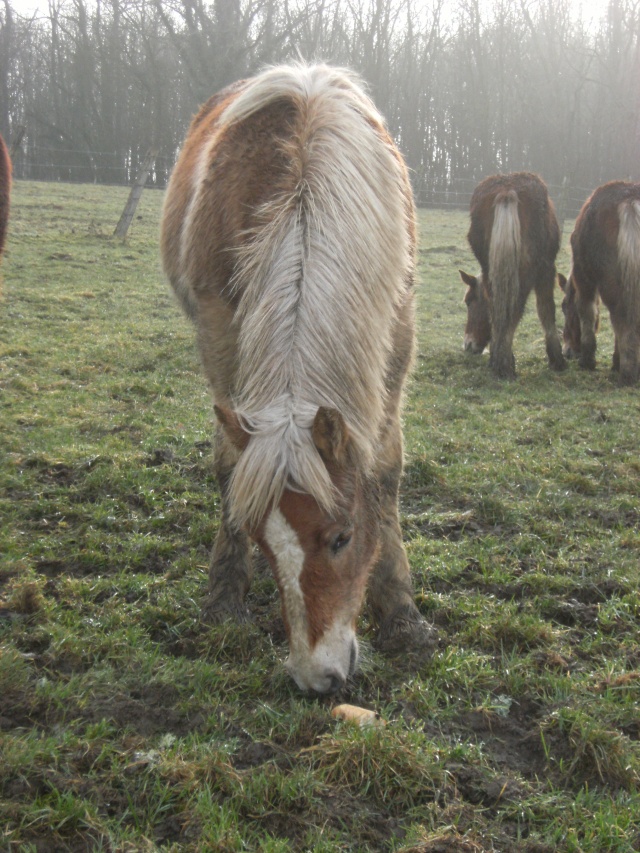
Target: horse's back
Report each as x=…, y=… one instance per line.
x=235, y=164
x=189, y=172
x=289, y=236
x=597, y=226
x=540, y=232
x=596, y=240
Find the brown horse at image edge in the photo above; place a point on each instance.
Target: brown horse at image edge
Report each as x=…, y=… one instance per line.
x=515, y=237
x=288, y=235
x=605, y=245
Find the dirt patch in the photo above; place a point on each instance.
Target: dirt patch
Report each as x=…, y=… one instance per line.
x=150, y=710
x=513, y=741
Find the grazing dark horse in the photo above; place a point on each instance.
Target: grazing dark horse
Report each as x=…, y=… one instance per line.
x=5, y=192
x=288, y=234
x=571, y=336
x=515, y=237
x=606, y=263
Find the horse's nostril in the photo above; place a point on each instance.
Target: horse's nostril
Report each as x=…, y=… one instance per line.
x=336, y=682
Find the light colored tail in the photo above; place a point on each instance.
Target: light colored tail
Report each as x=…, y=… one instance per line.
x=629, y=255
x=504, y=259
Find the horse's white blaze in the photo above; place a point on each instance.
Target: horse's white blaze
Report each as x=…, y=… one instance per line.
x=312, y=669
x=284, y=544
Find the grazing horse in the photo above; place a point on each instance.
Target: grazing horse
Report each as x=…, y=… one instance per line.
x=288, y=235
x=605, y=244
x=5, y=191
x=515, y=237
x=571, y=337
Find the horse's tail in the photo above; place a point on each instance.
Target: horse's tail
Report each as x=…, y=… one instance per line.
x=629, y=255
x=504, y=259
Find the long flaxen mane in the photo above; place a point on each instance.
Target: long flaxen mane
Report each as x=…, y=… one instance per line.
x=319, y=280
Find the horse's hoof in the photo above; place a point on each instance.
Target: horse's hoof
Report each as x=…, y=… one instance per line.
x=216, y=612
x=503, y=370
x=406, y=630
x=627, y=378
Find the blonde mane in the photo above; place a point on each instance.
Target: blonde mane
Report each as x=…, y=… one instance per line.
x=319, y=283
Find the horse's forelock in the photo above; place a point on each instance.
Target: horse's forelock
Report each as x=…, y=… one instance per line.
x=280, y=455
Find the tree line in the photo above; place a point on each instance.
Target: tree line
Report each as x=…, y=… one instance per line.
x=468, y=88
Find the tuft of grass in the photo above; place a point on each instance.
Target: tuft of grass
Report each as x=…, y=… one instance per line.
x=584, y=750
x=398, y=770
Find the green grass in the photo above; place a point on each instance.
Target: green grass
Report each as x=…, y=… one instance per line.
x=127, y=725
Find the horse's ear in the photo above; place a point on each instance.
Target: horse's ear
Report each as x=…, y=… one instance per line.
x=232, y=425
x=562, y=281
x=330, y=435
x=469, y=280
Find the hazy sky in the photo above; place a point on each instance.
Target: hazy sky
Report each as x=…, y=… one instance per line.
x=591, y=9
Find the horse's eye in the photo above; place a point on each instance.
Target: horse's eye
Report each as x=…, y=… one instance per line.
x=340, y=541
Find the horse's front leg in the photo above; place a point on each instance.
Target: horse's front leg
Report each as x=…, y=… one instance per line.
x=231, y=568
x=390, y=593
x=588, y=314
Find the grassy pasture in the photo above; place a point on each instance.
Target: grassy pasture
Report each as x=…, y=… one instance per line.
x=126, y=725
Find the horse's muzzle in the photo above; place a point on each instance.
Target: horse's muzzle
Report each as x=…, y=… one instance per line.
x=471, y=346
x=324, y=679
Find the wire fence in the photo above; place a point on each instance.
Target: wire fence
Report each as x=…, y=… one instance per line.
x=567, y=199
x=58, y=165
x=67, y=165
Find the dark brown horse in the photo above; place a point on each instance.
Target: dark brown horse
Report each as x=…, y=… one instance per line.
x=606, y=263
x=5, y=192
x=571, y=336
x=288, y=234
x=515, y=237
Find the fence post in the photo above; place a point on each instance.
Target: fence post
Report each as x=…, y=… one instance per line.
x=134, y=196
x=17, y=139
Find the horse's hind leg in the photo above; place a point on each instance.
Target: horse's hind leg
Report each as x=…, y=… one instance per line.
x=547, y=313
x=390, y=593
x=230, y=570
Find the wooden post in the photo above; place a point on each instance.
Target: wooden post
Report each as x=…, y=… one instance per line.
x=17, y=139
x=134, y=196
